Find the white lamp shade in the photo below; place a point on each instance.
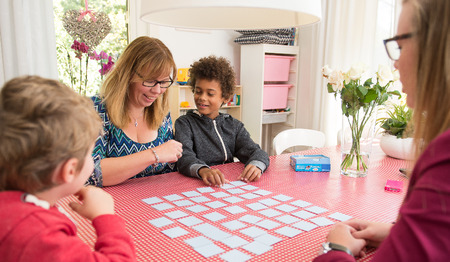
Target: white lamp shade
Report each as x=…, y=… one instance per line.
x=231, y=14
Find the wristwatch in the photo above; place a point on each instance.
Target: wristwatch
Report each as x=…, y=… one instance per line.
x=328, y=246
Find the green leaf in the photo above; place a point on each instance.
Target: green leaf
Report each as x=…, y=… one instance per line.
x=347, y=95
x=371, y=95
x=396, y=93
x=362, y=91
x=383, y=99
x=344, y=109
x=368, y=82
x=330, y=88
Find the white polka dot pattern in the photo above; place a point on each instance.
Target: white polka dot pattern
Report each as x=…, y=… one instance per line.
x=363, y=198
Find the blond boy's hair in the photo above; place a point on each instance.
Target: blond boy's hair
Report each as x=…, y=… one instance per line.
x=43, y=123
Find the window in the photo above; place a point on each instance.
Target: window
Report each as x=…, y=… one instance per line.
x=72, y=70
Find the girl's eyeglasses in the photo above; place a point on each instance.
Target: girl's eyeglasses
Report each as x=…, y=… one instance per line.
x=391, y=45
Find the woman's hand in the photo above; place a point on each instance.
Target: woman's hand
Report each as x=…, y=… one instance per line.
x=373, y=232
x=169, y=152
x=250, y=173
x=212, y=177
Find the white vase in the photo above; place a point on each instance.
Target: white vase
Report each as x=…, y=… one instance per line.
x=401, y=148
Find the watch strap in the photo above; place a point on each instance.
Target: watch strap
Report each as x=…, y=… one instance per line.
x=333, y=246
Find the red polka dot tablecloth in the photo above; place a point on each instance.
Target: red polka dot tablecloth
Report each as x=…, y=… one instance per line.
x=362, y=198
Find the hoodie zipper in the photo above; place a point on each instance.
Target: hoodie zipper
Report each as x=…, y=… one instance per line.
x=221, y=141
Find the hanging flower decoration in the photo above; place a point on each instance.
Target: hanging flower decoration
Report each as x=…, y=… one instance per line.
x=87, y=26
x=88, y=29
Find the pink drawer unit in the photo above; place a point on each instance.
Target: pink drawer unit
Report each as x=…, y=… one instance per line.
x=275, y=96
x=276, y=68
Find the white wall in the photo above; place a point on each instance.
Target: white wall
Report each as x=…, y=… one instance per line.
x=188, y=45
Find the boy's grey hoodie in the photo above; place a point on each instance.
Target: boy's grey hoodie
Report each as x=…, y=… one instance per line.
x=208, y=142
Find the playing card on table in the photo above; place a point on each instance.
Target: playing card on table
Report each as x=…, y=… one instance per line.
x=160, y=222
x=152, y=200
x=176, y=214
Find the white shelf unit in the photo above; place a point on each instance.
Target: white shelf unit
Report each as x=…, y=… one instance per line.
x=263, y=127
x=181, y=93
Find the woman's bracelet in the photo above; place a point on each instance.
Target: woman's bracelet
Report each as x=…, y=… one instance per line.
x=156, y=156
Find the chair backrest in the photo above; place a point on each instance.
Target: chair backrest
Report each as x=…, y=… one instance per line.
x=298, y=137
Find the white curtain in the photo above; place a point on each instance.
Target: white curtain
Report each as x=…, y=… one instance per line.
x=28, y=42
x=350, y=31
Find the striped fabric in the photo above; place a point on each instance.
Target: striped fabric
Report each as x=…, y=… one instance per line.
x=280, y=31
x=266, y=36
x=115, y=143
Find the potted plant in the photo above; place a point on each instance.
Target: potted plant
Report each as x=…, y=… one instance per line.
x=396, y=140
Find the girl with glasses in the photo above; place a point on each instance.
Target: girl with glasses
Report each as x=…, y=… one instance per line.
x=421, y=51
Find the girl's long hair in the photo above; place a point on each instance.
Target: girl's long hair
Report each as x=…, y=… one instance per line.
x=431, y=23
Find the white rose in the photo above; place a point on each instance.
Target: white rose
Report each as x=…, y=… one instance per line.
x=346, y=78
x=396, y=75
x=326, y=71
x=384, y=75
x=336, y=79
x=356, y=71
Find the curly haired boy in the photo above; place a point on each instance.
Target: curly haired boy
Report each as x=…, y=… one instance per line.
x=211, y=138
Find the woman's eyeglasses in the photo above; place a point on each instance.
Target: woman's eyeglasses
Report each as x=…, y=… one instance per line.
x=152, y=83
x=391, y=45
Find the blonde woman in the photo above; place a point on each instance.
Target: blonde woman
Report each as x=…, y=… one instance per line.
x=133, y=103
x=421, y=51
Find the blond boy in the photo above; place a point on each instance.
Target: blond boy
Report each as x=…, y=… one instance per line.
x=47, y=133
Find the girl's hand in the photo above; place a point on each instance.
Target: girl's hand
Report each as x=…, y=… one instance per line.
x=342, y=234
x=373, y=232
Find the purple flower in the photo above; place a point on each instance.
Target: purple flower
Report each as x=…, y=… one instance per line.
x=84, y=48
x=103, y=55
x=94, y=56
x=106, y=67
x=75, y=45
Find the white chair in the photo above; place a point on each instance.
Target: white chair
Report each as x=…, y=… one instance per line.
x=298, y=137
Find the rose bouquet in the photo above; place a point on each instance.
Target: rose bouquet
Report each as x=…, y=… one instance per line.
x=359, y=101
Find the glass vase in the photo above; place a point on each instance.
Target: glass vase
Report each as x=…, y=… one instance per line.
x=357, y=135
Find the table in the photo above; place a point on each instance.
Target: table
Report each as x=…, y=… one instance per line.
x=363, y=198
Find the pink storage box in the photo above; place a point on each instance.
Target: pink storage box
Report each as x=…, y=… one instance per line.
x=275, y=96
x=276, y=67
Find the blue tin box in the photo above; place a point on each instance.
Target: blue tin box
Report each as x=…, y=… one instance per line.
x=310, y=163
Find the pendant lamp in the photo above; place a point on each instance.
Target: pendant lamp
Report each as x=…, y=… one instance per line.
x=231, y=14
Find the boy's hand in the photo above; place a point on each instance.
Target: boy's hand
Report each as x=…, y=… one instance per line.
x=250, y=173
x=95, y=202
x=212, y=177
